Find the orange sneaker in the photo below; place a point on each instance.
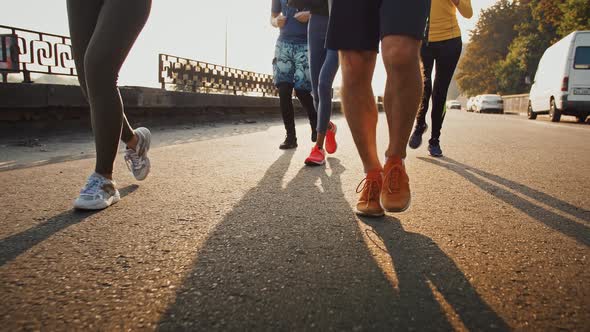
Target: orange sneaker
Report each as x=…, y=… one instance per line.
x=317, y=157
x=395, y=195
x=331, y=144
x=370, y=189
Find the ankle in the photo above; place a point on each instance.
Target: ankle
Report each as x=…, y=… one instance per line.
x=108, y=176
x=132, y=144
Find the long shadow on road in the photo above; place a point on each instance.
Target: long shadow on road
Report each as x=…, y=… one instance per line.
x=422, y=268
x=13, y=246
x=294, y=258
x=566, y=226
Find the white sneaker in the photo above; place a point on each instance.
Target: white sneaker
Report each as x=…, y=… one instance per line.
x=137, y=160
x=99, y=193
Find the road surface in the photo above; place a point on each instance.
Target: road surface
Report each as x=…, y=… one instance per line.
x=230, y=233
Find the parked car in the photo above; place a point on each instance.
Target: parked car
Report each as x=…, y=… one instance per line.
x=562, y=81
x=489, y=104
x=470, y=103
x=453, y=105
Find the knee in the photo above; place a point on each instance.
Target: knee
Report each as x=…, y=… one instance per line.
x=400, y=52
x=357, y=68
x=302, y=94
x=98, y=71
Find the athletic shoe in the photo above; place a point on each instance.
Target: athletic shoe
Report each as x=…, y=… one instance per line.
x=137, y=160
x=395, y=196
x=370, y=189
x=317, y=157
x=434, y=149
x=289, y=143
x=314, y=135
x=99, y=193
x=331, y=144
x=416, y=138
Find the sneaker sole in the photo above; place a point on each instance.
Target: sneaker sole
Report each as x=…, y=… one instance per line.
x=335, y=144
x=404, y=209
x=146, y=135
x=314, y=163
x=370, y=215
x=99, y=205
x=148, y=167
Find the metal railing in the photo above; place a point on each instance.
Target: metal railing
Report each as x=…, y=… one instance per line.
x=196, y=76
x=38, y=52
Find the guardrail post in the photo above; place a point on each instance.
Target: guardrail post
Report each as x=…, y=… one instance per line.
x=27, y=76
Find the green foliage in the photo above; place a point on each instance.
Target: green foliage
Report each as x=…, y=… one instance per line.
x=510, y=39
x=576, y=16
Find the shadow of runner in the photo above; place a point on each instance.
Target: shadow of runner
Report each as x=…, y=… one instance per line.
x=294, y=258
x=566, y=226
x=421, y=267
x=528, y=191
x=14, y=245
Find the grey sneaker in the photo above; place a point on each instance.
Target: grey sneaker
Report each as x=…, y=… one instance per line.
x=137, y=160
x=99, y=193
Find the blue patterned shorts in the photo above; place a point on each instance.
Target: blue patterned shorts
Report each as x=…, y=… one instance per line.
x=291, y=65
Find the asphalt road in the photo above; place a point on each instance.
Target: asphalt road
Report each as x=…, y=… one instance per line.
x=230, y=233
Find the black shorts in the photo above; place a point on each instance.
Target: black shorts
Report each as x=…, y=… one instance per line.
x=361, y=24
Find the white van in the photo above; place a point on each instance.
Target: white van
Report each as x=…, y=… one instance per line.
x=562, y=82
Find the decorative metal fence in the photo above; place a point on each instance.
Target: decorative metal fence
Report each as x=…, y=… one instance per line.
x=38, y=52
x=196, y=76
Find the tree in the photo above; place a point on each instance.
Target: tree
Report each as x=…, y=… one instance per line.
x=489, y=44
x=576, y=16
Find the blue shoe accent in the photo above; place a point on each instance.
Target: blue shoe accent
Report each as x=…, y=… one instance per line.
x=416, y=138
x=434, y=149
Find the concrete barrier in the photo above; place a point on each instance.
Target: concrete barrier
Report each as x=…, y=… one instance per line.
x=516, y=103
x=36, y=102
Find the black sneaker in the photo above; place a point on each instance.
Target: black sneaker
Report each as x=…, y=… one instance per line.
x=314, y=135
x=289, y=143
x=416, y=138
x=434, y=149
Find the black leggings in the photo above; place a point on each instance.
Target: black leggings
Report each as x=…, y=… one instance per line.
x=103, y=32
x=306, y=100
x=446, y=55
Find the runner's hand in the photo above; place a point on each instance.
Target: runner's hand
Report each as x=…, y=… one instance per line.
x=281, y=21
x=303, y=17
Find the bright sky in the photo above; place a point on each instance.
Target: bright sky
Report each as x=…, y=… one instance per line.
x=192, y=29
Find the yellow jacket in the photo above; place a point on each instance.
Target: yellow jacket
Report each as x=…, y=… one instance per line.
x=443, y=19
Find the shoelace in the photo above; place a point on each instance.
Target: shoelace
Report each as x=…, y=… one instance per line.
x=133, y=161
x=92, y=186
x=366, y=184
x=392, y=179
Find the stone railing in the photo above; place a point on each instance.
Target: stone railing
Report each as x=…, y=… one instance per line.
x=181, y=74
x=26, y=51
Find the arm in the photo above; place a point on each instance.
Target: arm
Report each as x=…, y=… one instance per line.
x=277, y=19
x=464, y=7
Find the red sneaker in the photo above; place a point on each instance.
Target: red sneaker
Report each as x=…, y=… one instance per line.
x=317, y=157
x=331, y=144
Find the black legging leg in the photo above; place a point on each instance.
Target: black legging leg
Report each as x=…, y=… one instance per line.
x=306, y=101
x=103, y=32
x=427, y=65
x=286, y=100
x=446, y=62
